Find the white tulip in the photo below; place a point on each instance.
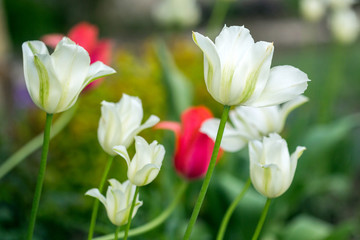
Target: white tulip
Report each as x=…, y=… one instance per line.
x=146, y=163
x=237, y=70
x=313, y=10
x=118, y=200
x=272, y=168
x=120, y=122
x=55, y=81
x=344, y=25
x=251, y=123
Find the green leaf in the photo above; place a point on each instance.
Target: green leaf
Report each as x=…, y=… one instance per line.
x=179, y=88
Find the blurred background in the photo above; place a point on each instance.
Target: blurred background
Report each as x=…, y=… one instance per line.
x=156, y=59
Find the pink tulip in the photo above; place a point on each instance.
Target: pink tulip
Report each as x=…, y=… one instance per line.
x=86, y=35
x=193, y=148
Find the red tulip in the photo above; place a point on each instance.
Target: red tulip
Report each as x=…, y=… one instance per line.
x=86, y=35
x=193, y=148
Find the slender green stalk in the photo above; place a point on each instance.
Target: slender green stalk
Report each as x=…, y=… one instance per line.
x=36, y=142
x=96, y=202
x=41, y=176
x=209, y=172
x=262, y=219
x=117, y=233
x=231, y=209
x=156, y=221
x=131, y=212
x=218, y=15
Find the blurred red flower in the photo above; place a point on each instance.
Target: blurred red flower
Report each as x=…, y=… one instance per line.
x=193, y=148
x=86, y=35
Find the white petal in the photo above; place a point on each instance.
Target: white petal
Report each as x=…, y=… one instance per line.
x=252, y=74
x=145, y=175
x=97, y=70
x=232, y=140
x=285, y=83
x=96, y=194
x=212, y=64
x=71, y=63
x=290, y=106
x=294, y=159
x=121, y=150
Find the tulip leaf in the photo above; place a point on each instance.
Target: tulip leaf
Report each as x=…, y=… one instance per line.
x=307, y=227
x=179, y=88
x=322, y=137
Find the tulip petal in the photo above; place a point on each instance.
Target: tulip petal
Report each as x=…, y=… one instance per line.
x=145, y=175
x=252, y=74
x=232, y=140
x=285, y=83
x=52, y=39
x=290, y=106
x=96, y=194
x=294, y=159
x=85, y=35
x=121, y=150
x=97, y=70
x=72, y=65
x=173, y=126
x=212, y=64
x=102, y=52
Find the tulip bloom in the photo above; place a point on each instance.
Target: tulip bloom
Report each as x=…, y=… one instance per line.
x=313, y=10
x=344, y=25
x=118, y=201
x=120, y=122
x=55, y=81
x=237, y=70
x=272, y=169
x=86, y=35
x=251, y=123
x=146, y=163
x=193, y=148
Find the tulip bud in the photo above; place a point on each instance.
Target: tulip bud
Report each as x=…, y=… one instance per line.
x=272, y=168
x=55, y=81
x=237, y=70
x=118, y=201
x=120, y=122
x=146, y=163
x=251, y=123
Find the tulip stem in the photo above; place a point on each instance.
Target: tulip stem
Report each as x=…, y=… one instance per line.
x=96, y=202
x=116, y=237
x=231, y=209
x=156, y=221
x=35, y=143
x=41, y=176
x=262, y=219
x=131, y=213
x=209, y=172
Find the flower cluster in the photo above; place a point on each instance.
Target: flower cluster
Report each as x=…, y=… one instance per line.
x=343, y=21
x=118, y=128
x=237, y=72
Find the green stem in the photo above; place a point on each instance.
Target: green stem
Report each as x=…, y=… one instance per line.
x=116, y=237
x=131, y=212
x=35, y=143
x=156, y=221
x=262, y=219
x=218, y=15
x=231, y=209
x=96, y=202
x=209, y=172
x=41, y=176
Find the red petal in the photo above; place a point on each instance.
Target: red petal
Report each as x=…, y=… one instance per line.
x=52, y=39
x=102, y=52
x=85, y=35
